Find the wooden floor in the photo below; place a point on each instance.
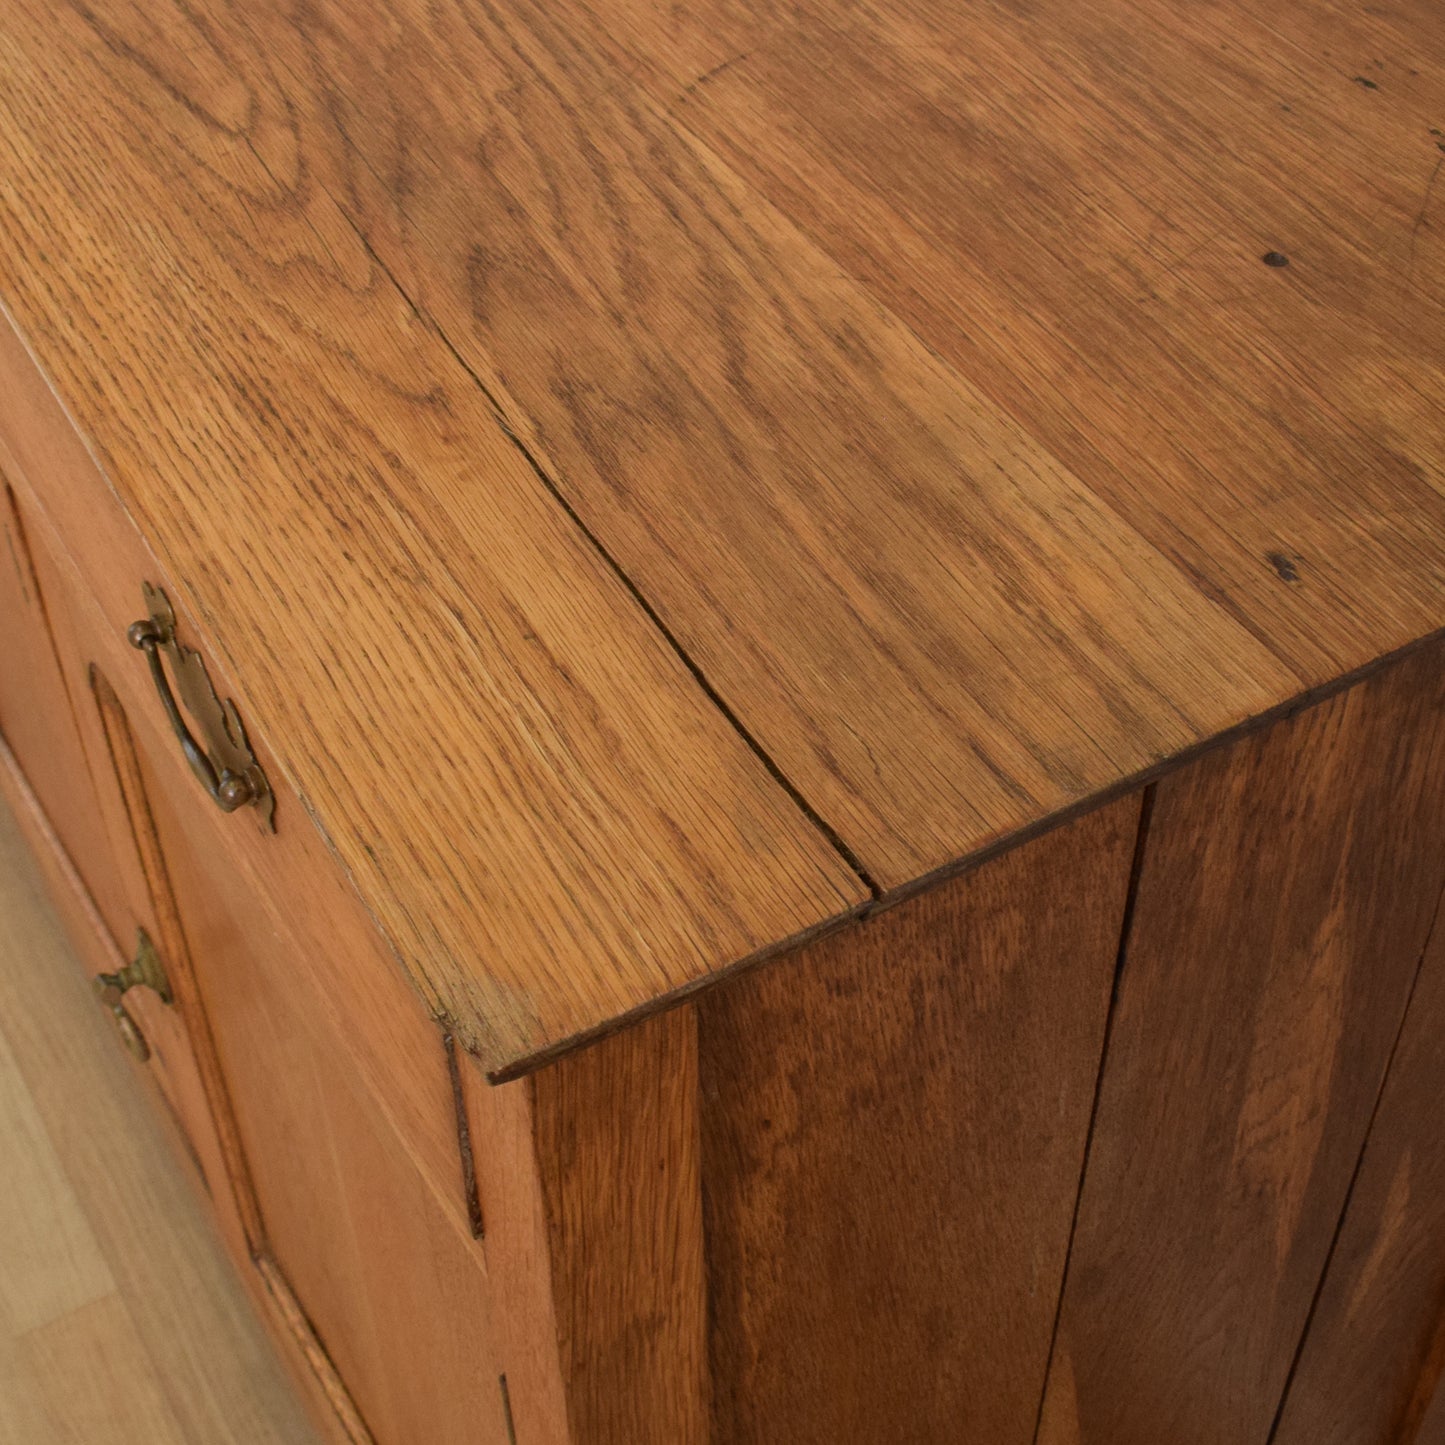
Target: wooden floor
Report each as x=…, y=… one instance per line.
x=120, y=1321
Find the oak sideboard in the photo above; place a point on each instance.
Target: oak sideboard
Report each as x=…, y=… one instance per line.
x=743, y=706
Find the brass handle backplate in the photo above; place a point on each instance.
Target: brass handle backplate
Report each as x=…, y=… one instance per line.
x=225, y=764
x=145, y=970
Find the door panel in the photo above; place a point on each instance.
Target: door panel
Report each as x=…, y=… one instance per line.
x=37, y=717
x=71, y=738
x=178, y=1033
x=393, y=1287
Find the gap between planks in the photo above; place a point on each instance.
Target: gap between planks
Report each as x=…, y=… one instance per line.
x=1140, y=781
x=1354, y=1180
x=1126, y=926
x=648, y=608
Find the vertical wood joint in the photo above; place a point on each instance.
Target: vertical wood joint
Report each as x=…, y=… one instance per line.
x=507, y=1410
x=470, y=1194
x=1126, y=925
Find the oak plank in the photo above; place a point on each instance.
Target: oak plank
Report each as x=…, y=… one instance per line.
x=893, y=1128
x=1287, y=891
x=615, y=1134
x=1070, y=204
x=471, y=704
x=892, y=586
x=1375, y=1351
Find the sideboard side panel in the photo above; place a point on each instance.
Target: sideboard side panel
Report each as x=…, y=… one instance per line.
x=1286, y=895
x=1432, y=1427
x=1374, y=1355
x=893, y=1131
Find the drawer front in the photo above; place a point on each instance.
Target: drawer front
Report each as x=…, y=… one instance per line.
x=314, y=1086
x=38, y=717
x=101, y=563
x=85, y=772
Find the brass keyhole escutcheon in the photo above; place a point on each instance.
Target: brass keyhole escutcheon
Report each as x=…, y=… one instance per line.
x=145, y=970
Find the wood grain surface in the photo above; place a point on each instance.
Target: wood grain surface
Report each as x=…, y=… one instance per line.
x=570, y=824
x=615, y=1131
x=893, y=1130
x=1071, y=204
x=889, y=629
x=1286, y=896
x=1374, y=1354
x=657, y=475
x=393, y=1286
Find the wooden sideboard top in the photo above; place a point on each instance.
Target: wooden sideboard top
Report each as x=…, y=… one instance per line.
x=663, y=476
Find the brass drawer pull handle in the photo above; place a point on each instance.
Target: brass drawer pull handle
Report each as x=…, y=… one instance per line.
x=228, y=790
x=145, y=969
x=225, y=766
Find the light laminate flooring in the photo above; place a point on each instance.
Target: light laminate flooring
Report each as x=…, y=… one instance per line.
x=120, y=1320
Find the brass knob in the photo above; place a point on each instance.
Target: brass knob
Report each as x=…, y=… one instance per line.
x=145, y=970
x=113, y=999
x=233, y=791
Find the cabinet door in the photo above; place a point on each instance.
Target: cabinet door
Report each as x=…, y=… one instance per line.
x=37, y=717
x=71, y=740
x=393, y=1287
x=180, y=1051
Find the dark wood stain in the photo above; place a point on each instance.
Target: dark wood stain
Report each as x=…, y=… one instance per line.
x=1287, y=893
x=1374, y=1354
x=1284, y=565
x=893, y=1128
